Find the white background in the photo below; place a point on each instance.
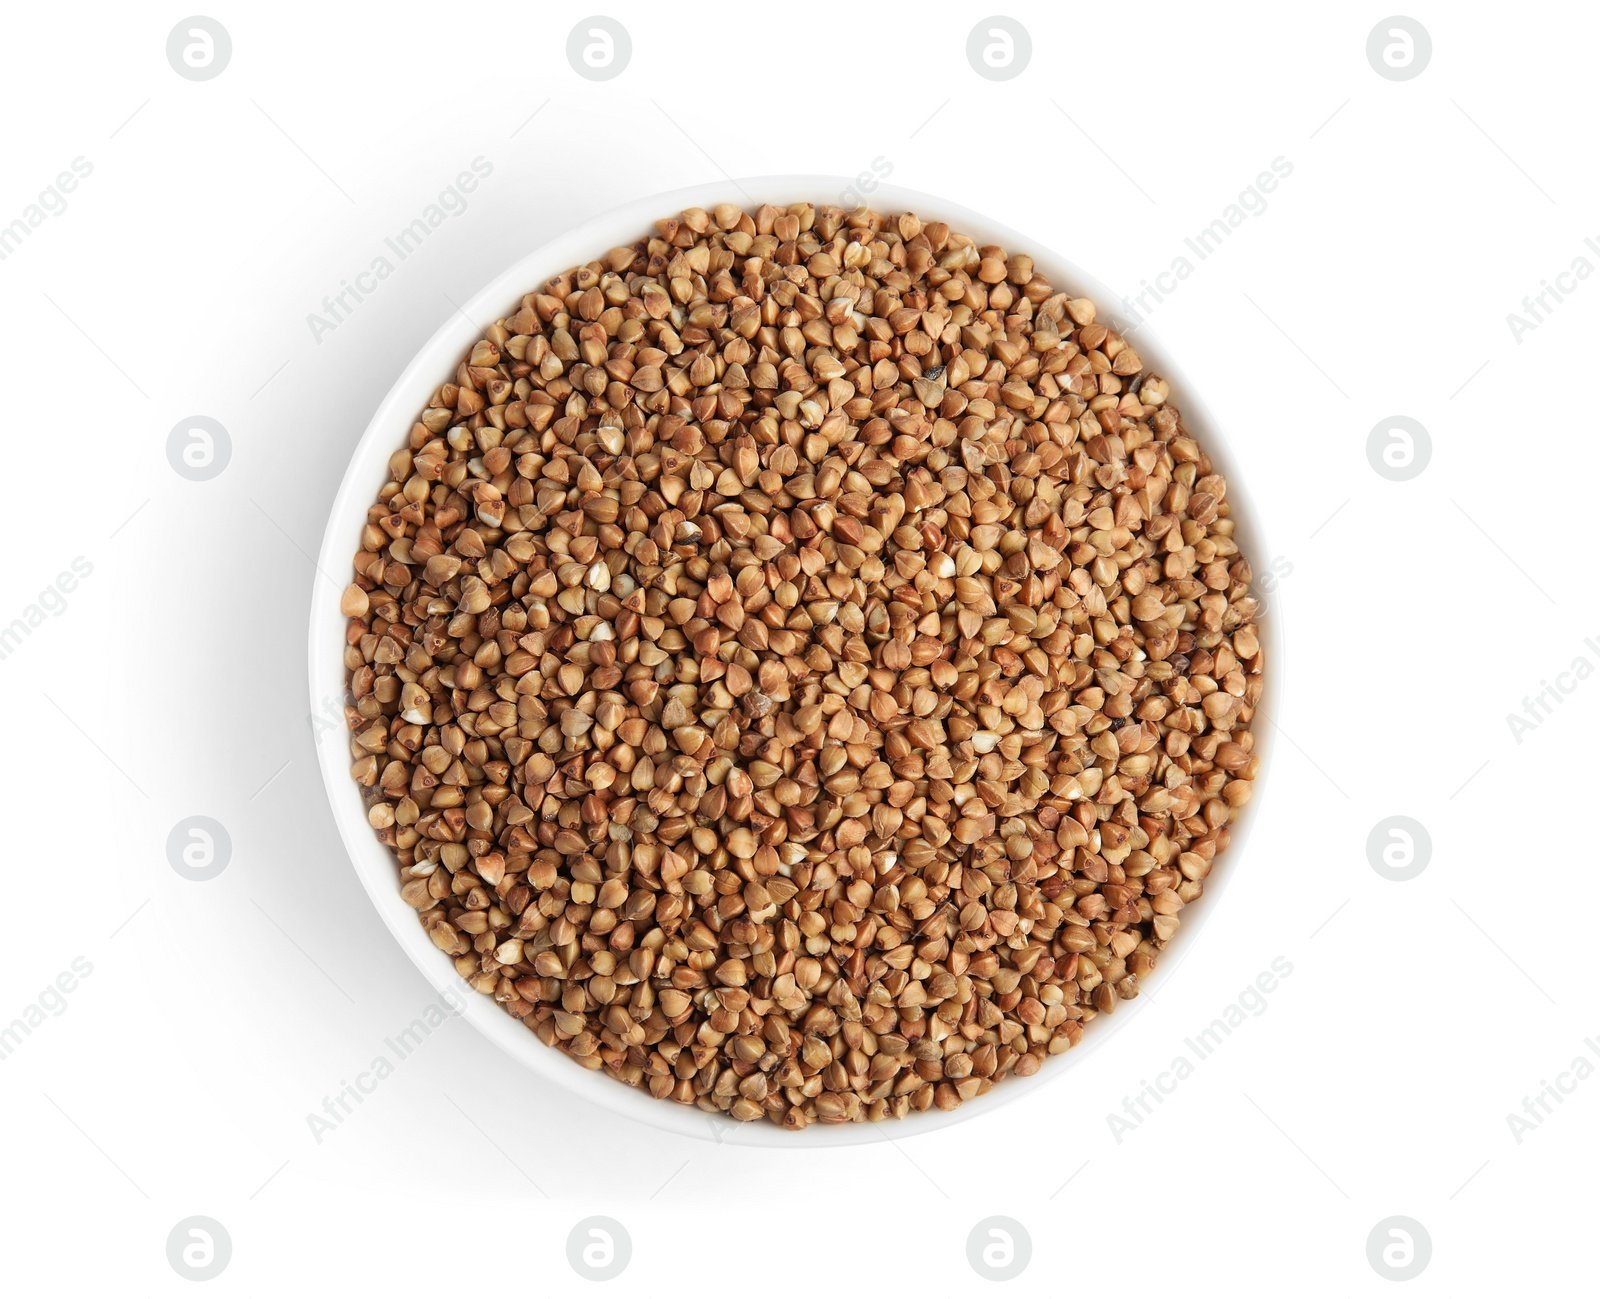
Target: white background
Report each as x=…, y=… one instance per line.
x=1417, y=615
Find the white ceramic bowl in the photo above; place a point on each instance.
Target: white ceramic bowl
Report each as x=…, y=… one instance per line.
x=368, y=471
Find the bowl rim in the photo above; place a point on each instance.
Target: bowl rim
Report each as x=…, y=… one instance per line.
x=366, y=470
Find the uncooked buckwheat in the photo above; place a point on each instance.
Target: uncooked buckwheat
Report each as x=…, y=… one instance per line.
x=802, y=665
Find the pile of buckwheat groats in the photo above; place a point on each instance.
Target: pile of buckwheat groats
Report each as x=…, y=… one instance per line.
x=802, y=666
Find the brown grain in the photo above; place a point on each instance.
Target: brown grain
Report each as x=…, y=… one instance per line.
x=802, y=665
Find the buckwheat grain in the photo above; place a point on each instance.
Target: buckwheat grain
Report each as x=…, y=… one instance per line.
x=802, y=665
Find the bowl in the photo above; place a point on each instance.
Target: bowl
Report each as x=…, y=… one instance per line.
x=368, y=470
